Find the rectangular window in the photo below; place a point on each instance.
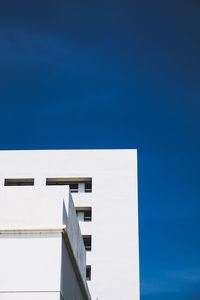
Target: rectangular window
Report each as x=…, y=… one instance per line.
x=88, y=272
x=84, y=214
x=87, y=239
x=88, y=187
x=63, y=181
x=76, y=184
x=88, y=215
x=18, y=181
x=73, y=187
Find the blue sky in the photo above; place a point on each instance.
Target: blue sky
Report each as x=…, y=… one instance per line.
x=116, y=74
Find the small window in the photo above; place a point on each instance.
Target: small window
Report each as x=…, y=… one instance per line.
x=76, y=184
x=88, y=187
x=87, y=239
x=19, y=181
x=73, y=187
x=88, y=272
x=61, y=181
x=84, y=214
x=87, y=215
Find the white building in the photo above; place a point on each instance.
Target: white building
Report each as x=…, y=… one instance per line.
x=42, y=255
x=103, y=186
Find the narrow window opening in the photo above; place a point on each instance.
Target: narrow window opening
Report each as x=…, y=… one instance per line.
x=76, y=184
x=88, y=187
x=87, y=239
x=59, y=181
x=73, y=187
x=88, y=272
x=87, y=215
x=84, y=214
x=18, y=181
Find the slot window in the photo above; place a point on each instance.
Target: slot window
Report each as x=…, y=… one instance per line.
x=56, y=181
x=76, y=184
x=84, y=214
x=88, y=272
x=88, y=187
x=19, y=181
x=87, y=239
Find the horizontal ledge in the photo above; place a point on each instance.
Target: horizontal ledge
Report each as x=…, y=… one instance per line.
x=39, y=229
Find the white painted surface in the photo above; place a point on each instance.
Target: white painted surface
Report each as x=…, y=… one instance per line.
x=32, y=255
x=69, y=286
x=81, y=187
x=30, y=262
x=31, y=296
x=80, y=216
x=114, y=227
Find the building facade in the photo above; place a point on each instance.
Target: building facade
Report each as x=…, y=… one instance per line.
x=103, y=186
x=42, y=251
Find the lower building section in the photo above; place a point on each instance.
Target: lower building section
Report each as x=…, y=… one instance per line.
x=42, y=254
x=31, y=296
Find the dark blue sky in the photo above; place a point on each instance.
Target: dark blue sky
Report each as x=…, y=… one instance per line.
x=116, y=74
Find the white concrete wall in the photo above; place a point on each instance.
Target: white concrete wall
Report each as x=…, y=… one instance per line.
x=69, y=286
x=74, y=234
x=32, y=206
x=114, y=227
x=30, y=263
x=33, y=222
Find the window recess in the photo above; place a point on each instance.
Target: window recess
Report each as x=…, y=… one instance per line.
x=88, y=187
x=88, y=272
x=76, y=185
x=18, y=181
x=84, y=214
x=73, y=185
x=87, y=239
